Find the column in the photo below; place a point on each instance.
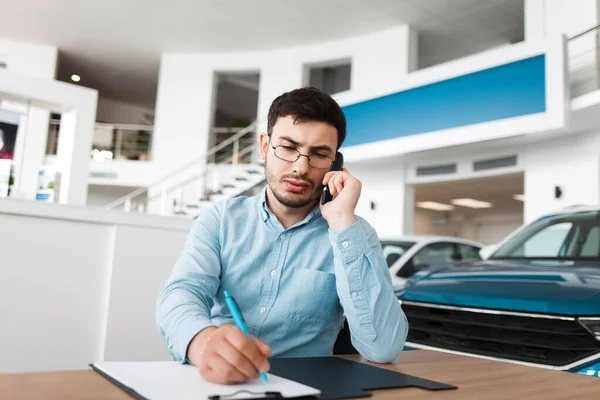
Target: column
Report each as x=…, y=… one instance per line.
x=561, y=173
x=73, y=154
x=386, y=202
x=184, y=114
x=33, y=138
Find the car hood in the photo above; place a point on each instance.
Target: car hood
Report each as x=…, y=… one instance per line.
x=553, y=287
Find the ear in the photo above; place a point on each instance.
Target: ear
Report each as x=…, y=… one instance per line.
x=264, y=145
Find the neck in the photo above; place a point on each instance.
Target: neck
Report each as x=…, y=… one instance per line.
x=287, y=216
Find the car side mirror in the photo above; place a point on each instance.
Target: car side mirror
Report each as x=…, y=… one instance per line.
x=407, y=270
x=410, y=269
x=487, y=251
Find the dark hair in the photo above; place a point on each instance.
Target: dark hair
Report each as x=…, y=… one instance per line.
x=308, y=104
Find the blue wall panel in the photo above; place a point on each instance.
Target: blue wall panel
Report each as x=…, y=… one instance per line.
x=505, y=91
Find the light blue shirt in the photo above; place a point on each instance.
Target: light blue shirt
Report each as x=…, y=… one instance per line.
x=293, y=286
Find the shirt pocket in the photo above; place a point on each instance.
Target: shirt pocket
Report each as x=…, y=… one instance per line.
x=315, y=298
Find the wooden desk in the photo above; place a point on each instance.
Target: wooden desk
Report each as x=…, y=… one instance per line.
x=476, y=379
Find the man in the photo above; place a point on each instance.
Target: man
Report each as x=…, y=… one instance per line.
x=295, y=268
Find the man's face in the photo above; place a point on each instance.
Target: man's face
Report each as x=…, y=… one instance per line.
x=297, y=184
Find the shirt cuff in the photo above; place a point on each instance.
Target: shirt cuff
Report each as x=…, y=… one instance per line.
x=351, y=243
x=188, y=329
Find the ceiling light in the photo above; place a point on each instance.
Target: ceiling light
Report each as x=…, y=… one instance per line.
x=75, y=78
x=471, y=203
x=432, y=205
x=519, y=197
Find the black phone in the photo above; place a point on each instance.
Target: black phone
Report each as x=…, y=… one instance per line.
x=338, y=164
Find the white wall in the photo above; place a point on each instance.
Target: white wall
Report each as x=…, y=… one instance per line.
x=547, y=17
x=101, y=195
x=87, y=292
x=118, y=112
x=185, y=103
x=572, y=163
x=485, y=227
x=29, y=59
x=384, y=184
x=138, y=275
x=50, y=298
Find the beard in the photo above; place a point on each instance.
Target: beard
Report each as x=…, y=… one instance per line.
x=290, y=199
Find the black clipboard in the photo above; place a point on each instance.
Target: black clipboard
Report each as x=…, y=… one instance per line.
x=334, y=377
x=339, y=378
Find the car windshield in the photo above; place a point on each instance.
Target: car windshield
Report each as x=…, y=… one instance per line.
x=393, y=250
x=560, y=237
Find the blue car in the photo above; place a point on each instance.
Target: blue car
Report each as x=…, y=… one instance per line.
x=535, y=300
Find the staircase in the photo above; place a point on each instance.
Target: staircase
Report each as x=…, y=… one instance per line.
x=227, y=170
x=223, y=181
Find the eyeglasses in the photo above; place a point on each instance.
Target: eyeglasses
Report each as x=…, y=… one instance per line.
x=287, y=153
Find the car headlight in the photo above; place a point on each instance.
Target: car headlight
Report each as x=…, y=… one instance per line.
x=592, y=325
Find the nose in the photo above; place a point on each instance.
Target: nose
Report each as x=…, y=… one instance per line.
x=301, y=165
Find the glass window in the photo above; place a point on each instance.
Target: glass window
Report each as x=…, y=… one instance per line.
x=392, y=251
x=332, y=78
x=430, y=255
x=570, y=236
x=436, y=253
x=468, y=253
x=591, y=247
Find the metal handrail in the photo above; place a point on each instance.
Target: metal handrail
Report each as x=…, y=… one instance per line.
x=214, y=150
x=132, y=127
x=246, y=150
x=584, y=32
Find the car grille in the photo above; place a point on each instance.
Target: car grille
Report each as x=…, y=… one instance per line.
x=544, y=341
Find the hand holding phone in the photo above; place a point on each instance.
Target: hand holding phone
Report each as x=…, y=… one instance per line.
x=338, y=164
x=346, y=188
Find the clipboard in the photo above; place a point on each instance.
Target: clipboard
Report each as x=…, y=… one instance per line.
x=338, y=378
x=172, y=380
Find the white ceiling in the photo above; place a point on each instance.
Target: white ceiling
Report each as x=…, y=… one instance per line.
x=115, y=45
x=497, y=190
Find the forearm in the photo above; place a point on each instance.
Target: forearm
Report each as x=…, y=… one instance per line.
x=376, y=320
x=183, y=307
x=180, y=314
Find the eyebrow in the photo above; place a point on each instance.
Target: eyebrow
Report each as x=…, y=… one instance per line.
x=312, y=148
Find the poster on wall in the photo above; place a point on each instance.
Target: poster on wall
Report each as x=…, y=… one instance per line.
x=5, y=177
x=47, y=179
x=8, y=139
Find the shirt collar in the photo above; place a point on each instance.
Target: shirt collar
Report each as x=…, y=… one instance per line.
x=262, y=204
x=266, y=213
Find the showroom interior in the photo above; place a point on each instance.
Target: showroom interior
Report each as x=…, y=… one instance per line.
x=472, y=125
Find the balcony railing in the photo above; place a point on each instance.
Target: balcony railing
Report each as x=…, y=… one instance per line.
x=583, y=62
x=112, y=141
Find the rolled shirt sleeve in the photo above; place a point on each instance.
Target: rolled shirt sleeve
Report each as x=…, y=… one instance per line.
x=377, y=323
x=183, y=306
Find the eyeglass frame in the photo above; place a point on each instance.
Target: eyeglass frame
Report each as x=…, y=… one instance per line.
x=300, y=155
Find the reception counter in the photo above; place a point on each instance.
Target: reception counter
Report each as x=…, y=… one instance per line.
x=79, y=284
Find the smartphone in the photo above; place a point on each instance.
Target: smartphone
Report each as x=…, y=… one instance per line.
x=338, y=164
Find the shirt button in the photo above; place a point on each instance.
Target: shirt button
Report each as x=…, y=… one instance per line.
x=354, y=294
x=345, y=245
x=262, y=310
x=273, y=273
x=282, y=238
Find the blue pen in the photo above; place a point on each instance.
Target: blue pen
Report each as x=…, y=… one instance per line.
x=239, y=321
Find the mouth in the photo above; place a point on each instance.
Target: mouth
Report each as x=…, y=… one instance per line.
x=296, y=186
